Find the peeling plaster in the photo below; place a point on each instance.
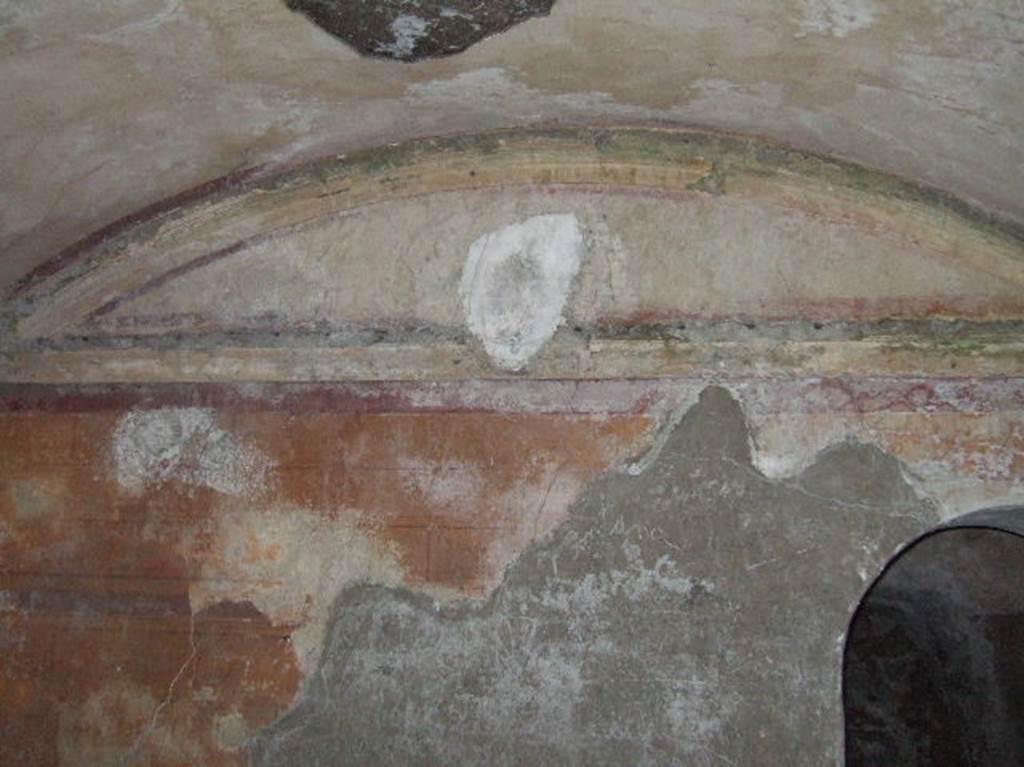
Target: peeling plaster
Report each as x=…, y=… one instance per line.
x=863, y=454
x=978, y=468
x=604, y=644
x=286, y=561
x=231, y=731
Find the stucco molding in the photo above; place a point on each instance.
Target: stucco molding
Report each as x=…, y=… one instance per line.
x=72, y=319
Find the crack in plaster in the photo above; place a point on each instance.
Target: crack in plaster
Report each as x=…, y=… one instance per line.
x=134, y=750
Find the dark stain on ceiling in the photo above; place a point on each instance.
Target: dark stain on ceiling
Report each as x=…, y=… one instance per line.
x=409, y=30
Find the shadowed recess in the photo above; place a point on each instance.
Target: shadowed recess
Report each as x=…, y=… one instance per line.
x=408, y=30
x=933, y=673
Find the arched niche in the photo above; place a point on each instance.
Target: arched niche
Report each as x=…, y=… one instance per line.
x=932, y=669
x=699, y=253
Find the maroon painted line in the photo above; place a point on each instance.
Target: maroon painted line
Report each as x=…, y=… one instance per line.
x=836, y=309
x=210, y=258
x=173, y=274
x=203, y=325
x=40, y=597
x=851, y=310
x=289, y=398
x=622, y=397
x=78, y=249
x=233, y=181
x=174, y=321
x=857, y=396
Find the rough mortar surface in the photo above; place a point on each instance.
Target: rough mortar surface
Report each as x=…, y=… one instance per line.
x=692, y=614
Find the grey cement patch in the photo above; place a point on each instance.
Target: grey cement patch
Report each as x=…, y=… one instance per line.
x=692, y=614
x=408, y=30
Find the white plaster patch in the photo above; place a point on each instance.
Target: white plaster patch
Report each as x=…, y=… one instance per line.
x=587, y=595
x=492, y=90
x=698, y=712
x=154, y=445
x=455, y=13
x=837, y=18
x=698, y=709
x=407, y=29
x=516, y=282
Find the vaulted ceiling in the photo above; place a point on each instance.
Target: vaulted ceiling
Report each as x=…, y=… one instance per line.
x=111, y=105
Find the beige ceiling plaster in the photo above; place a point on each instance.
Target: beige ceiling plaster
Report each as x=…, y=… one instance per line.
x=111, y=105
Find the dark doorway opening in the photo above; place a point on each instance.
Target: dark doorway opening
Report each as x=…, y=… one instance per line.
x=933, y=668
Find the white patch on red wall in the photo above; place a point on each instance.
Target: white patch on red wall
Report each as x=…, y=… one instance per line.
x=152, y=446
